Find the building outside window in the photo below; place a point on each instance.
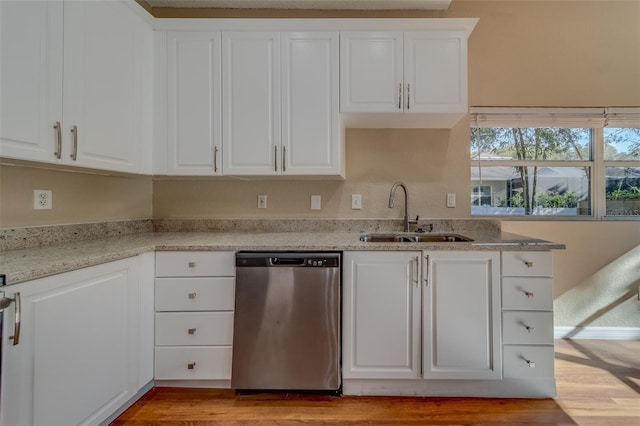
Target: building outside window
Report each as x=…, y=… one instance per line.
x=577, y=162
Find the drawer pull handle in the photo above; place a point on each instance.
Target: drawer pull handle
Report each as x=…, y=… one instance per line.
x=191, y=331
x=529, y=294
x=192, y=295
x=192, y=366
x=530, y=363
x=192, y=264
x=528, y=264
x=529, y=328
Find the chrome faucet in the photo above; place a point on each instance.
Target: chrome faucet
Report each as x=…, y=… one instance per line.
x=406, y=202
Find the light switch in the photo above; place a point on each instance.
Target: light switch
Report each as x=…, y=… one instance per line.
x=356, y=201
x=451, y=199
x=315, y=202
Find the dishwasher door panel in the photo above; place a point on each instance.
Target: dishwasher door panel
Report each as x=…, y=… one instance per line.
x=287, y=328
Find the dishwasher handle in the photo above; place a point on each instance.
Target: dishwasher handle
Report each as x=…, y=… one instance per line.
x=286, y=261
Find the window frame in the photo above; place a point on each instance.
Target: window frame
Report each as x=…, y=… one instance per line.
x=587, y=118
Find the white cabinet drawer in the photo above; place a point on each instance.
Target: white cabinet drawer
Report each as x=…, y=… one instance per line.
x=527, y=264
x=527, y=293
x=195, y=264
x=527, y=328
x=190, y=363
x=528, y=362
x=194, y=328
x=195, y=294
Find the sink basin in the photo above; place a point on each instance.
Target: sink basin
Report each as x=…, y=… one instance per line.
x=413, y=238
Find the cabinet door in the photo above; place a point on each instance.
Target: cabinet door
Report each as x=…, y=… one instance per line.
x=311, y=134
x=381, y=318
x=30, y=79
x=371, y=71
x=251, y=103
x=435, y=71
x=107, y=97
x=77, y=358
x=462, y=316
x=195, y=103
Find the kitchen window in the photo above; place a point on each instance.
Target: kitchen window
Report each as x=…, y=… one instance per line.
x=555, y=162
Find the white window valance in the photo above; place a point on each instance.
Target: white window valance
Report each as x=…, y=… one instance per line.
x=554, y=117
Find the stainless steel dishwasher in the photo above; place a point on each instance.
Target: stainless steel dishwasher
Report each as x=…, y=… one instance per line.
x=287, y=321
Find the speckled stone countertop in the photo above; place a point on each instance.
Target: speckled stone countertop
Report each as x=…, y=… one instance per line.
x=31, y=263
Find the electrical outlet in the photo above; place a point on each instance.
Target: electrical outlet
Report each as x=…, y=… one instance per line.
x=42, y=199
x=356, y=201
x=262, y=201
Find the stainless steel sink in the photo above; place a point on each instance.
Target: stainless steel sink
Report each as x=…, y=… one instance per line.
x=413, y=238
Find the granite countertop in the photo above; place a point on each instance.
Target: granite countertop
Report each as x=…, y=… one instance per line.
x=32, y=263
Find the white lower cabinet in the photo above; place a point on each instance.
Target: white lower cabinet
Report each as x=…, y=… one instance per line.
x=82, y=352
x=195, y=298
x=527, y=320
x=441, y=306
x=461, y=315
x=381, y=318
x=451, y=319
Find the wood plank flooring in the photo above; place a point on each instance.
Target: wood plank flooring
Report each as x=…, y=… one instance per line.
x=598, y=383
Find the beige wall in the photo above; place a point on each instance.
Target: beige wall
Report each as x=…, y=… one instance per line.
x=77, y=197
x=428, y=161
x=522, y=53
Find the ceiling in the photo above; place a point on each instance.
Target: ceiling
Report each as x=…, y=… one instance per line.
x=305, y=4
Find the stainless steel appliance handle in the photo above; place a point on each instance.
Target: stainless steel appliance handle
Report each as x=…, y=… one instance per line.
x=16, y=324
x=74, y=151
x=4, y=303
x=58, y=151
x=215, y=159
x=287, y=261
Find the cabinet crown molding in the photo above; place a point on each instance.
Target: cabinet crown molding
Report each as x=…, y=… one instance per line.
x=337, y=24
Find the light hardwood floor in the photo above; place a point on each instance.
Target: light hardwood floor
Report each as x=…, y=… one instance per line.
x=598, y=383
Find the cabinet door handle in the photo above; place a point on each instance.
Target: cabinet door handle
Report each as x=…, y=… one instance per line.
x=425, y=271
x=192, y=295
x=284, y=156
x=529, y=294
x=192, y=264
x=215, y=159
x=74, y=151
x=4, y=303
x=530, y=363
x=408, y=97
x=399, y=95
x=528, y=327
x=58, y=128
x=528, y=264
x=191, y=331
x=275, y=158
x=191, y=366
x=415, y=261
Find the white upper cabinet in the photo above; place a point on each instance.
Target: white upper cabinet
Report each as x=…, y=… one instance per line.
x=403, y=79
x=311, y=128
x=31, y=80
x=371, y=70
x=195, y=103
x=280, y=104
x=90, y=75
x=251, y=103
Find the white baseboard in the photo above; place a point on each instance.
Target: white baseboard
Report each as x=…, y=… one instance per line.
x=605, y=333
